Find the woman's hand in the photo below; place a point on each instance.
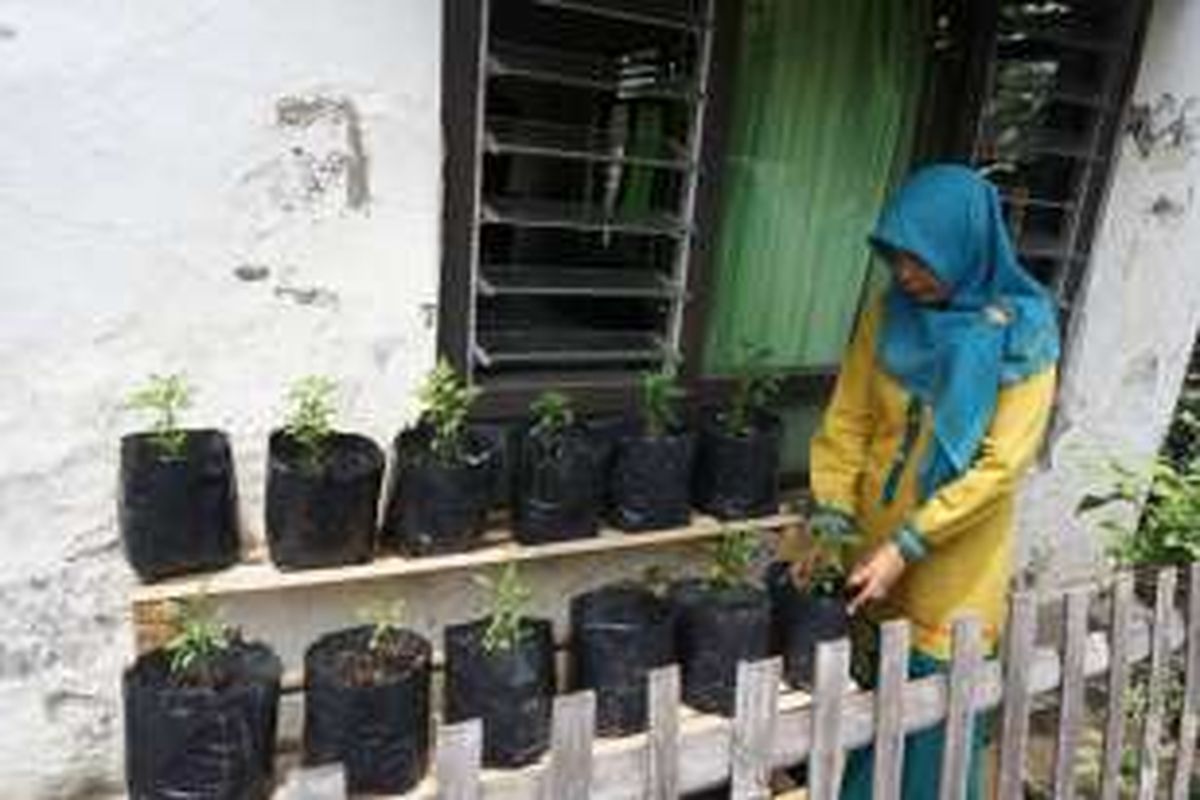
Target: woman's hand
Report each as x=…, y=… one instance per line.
x=875, y=575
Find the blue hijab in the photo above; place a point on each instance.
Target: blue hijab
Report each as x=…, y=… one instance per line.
x=997, y=327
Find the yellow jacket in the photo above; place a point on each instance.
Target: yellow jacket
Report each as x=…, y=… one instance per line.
x=965, y=529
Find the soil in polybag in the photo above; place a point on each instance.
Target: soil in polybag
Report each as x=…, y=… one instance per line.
x=437, y=507
x=511, y=691
x=210, y=741
x=619, y=634
x=559, y=487
x=651, y=482
x=715, y=629
x=800, y=622
x=369, y=709
x=178, y=515
x=738, y=476
x=322, y=513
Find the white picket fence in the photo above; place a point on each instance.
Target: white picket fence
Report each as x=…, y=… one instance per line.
x=684, y=751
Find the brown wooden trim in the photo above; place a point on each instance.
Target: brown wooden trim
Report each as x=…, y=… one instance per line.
x=461, y=32
x=709, y=207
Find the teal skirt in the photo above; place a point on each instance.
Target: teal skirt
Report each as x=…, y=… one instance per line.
x=922, y=753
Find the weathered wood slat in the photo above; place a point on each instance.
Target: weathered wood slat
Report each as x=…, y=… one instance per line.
x=1071, y=695
x=326, y=782
x=1018, y=697
x=757, y=709
x=263, y=576
x=458, y=760
x=1152, y=728
x=663, y=750
x=1189, y=725
x=1118, y=682
x=965, y=662
x=889, y=711
x=571, y=746
x=828, y=757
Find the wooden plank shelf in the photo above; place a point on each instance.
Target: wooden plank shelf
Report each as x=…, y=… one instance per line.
x=249, y=578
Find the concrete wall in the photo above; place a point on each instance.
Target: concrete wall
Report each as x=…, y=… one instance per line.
x=246, y=191
x=1138, y=314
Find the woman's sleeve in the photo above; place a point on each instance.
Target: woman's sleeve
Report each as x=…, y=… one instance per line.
x=1010, y=446
x=838, y=452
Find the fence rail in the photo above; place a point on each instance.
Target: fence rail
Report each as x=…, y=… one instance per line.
x=684, y=753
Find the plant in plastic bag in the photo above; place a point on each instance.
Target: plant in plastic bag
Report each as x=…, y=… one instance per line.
x=652, y=471
x=737, y=469
x=501, y=669
x=445, y=475
x=177, y=502
x=200, y=713
x=807, y=614
x=322, y=485
x=721, y=620
x=559, y=475
x=367, y=701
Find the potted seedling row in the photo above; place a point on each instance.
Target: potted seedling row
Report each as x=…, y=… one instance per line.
x=809, y=609
x=177, y=503
x=559, y=485
x=322, y=485
x=500, y=669
x=721, y=620
x=200, y=714
x=652, y=471
x=737, y=466
x=619, y=633
x=367, y=702
x=445, y=472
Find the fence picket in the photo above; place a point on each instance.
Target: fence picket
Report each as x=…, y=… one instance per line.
x=889, y=710
x=574, y=720
x=1018, y=659
x=965, y=661
x=1070, y=719
x=754, y=728
x=827, y=757
x=325, y=782
x=1152, y=728
x=662, y=749
x=1118, y=682
x=1186, y=752
x=459, y=753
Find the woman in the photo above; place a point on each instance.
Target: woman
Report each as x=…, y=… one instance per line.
x=940, y=405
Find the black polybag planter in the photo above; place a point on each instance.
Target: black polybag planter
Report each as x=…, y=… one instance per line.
x=559, y=487
x=379, y=732
x=715, y=629
x=619, y=634
x=651, y=481
x=512, y=691
x=738, y=476
x=178, y=515
x=435, y=507
x=801, y=621
x=324, y=514
x=202, y=743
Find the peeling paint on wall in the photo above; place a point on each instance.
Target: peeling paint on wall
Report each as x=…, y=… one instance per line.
x=302, y=112
x=1167, y=124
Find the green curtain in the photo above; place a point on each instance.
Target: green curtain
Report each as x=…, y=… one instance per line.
x=826, y=96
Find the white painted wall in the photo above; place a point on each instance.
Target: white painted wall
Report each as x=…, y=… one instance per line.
x=142, y=161
x=1139, y=312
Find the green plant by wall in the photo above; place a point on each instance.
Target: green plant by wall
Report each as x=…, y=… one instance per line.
x=1167, y=530
x=198, y=637
x=552, y=414
x=661, y=394
x=446, y=401
x=386, y=619
x=828, y=572
x=165, y=396
x=507, y=598
x=756, y=387
x=733, y=557
x=310, y=422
